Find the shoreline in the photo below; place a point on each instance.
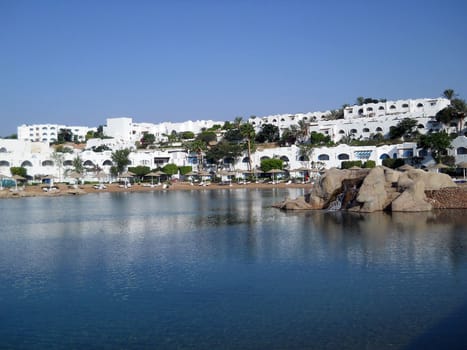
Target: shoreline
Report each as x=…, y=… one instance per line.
x=64, y=190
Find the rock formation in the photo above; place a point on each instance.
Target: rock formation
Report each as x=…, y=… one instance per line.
x=370, y=190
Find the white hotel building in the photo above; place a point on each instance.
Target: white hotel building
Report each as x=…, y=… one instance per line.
x=361, y=122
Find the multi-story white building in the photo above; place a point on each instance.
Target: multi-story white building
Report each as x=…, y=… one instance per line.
x=365, y=121
x=49, y=132
x=125, y=130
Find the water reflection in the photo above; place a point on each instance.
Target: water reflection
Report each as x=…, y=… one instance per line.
x=223, y=267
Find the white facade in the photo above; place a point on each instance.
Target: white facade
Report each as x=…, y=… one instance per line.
x=365, y=121
x=49, y=132
x=124, y=130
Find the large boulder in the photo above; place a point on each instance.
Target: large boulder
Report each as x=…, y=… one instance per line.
x=373, y=193
x=431, y=180
x=413, y=197
x=294, y=204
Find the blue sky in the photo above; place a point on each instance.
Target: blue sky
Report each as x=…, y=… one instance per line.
x=79, y=62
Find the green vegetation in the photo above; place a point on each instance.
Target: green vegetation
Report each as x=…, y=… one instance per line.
x=269, y=164
x=393, y=163
x=121, y=160
x=438, y=143
x=18, y=170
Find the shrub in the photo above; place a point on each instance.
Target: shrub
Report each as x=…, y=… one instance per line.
x=346, y=164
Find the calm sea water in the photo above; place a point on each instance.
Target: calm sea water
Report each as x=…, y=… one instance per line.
x=224, y=270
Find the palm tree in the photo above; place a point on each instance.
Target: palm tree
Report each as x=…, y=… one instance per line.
x=303, y=130
x=198, y=147
x=121, y=160
x=449, y=94
x=248, y=132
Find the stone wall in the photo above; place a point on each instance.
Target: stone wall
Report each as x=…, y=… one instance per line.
x=448, y=198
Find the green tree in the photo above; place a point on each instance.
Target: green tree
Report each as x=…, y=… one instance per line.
x=77, y=164
x=319, y=139
x=187, y=135
x=140, y=170
x=305, y=152
x=64, y=135
x=58, y=158
x=198, y=147
x=449, y=94
x=121, y=160
x=438, y=143
x=147, y=140
x=248, y=132
x=19, y=170
x=223, y=150
x=170, y=169
x=207, y=136
x=269, y=164
x=406, y=128
x=268, y=133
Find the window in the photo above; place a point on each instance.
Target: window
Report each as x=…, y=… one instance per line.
x=284, y=158
x=47, y=163
x=405, y=105
x=420, y=105
x=341, y=131
x=323, y=157
x=369, y=109
x=4, y=163
x=26, y=163
x=343, y=156
x=462, y=150
x=381, y=108
x=68, y=163
x=245, y=160
x=379, y=129
x=88, y=163
x=384, y=156
x=107, y=162
x=392, y=107
x=3, y=150
x=366, y=130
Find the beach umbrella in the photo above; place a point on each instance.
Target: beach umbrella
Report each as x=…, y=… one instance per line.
x=438, y=166
x=463, y=166
x=126, y=176
x=274, y=172
x=157, y=174
x=300, y=170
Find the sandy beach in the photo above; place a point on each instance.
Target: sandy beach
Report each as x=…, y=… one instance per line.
x=65, y=190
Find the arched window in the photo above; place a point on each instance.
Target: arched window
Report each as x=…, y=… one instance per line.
x=384, y=156
x=392, y=107
x=343, y=156
x=3, y=150
x=228, y=160
x=379, y=129
x=245, y=160
x=381, y=108
x=461, y=150
x=285, y=158
x=47, y=163
x=421, y=126
x=274, y=120
x=88, y=163
x=360, y=111
x=4, y=163
x=323, y=157
x=107, y=162
x=68, y=163
x=282, y=120
x=369, y=109
x=265, y=157
x=405, y=105
x=341, y=131
x=366, y=130
x=420, y=105
x=353, y=131
x=303, y=159
x=26, y=163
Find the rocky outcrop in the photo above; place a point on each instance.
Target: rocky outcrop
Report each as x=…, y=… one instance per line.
x=372, y=190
